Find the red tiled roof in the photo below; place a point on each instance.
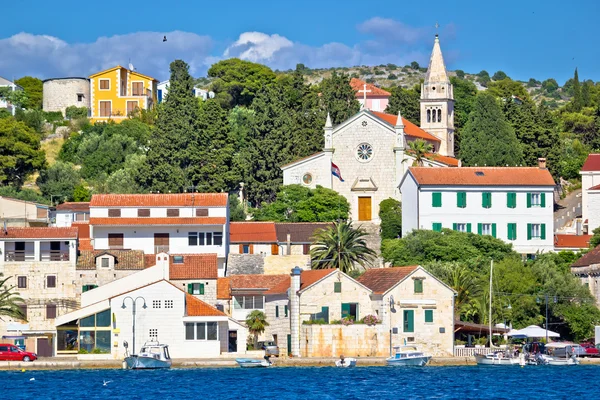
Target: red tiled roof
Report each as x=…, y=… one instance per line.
x=38, y=233
x=590, y=258
x=83, y=229
x=410, y=129
x=74, y=206
x=84, y=244
x=158, y=221
x=357, y=85
x=300, y=232
x=450, y=161
x=252, y=232
x=266, y=283
x=592, y=163
x=380, y=280
x=572, y=241
x=160, y=200
x=197, y=308
x=124, y=259
x=597, y=187
x=492, y=176
x=223, y=289
x=195, y=266
x=312, y=276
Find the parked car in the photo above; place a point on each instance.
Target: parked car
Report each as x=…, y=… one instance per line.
x=10, y=352
x=269, y=347
x=590, y=350
x=570, y=349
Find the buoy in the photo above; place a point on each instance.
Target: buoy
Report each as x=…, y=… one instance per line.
x=23, y=370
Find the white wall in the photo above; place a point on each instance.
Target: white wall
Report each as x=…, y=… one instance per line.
x=319, y=167
x=593, y=207
x=410, y=205
x=588, y=179
x=63, y=219
x=157, y=212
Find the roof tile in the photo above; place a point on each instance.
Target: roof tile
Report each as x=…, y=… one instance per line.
x=223, y=289
x=300, y=232
x=124, y=259
x=197, y=308
x=258, y=282
x=252, y=232
x=74, y=206
x=160, y=200
x=38, y=233
x=572, y=241
x=195, y=266
x=410, y=129
x=380, y=280
x=492, y=176
x=158, y=221
x=357, y=85
x=592, y=163
x=590, y=258
x=310, y=277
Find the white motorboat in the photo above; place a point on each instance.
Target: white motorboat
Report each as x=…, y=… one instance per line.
x=497, y=358
x=152, y=356
x=561, y=354
x=563, y=361
x=408, y=356
x=253, y=363
x=346, y=362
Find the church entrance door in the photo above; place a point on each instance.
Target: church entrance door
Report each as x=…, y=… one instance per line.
x=364, y=208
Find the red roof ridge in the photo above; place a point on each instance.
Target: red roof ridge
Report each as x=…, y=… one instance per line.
x=358, y=84
x=160, y=200
x=410, y=129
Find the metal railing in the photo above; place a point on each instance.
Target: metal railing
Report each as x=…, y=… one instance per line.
x=471, y=351
x=19, y=256
x=55, y=255
x=161, y=249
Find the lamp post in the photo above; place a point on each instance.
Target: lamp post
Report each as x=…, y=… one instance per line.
x=546, y=324
x=134, y=301
x=392, y=309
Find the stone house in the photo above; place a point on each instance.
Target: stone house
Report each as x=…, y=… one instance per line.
x=251, y=246
x=13, y=87
x=61, y=93
x=587, y=269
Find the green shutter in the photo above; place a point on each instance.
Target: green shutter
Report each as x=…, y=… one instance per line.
x=461, y=199
x=436, y=199
x=409, y=320
x=345, y=309
x=486, y=199
x=276, y=311
x=512, y=231
x=84, y=289
x=543, y=199
x=480, y=228
x=324, y=314
x=454, y=226
x=528, y=231
x=468, y=228
x=285, y=310
x=190, y=288
x=437, y=226
x=418, y=283
x=337, y=287
x=202, y=288
x=494, y=230
x=511, y=200
x=428, y=315
x=543, y=231
x=528, y=200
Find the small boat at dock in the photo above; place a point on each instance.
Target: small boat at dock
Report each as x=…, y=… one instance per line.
x=408, y=356
x=498, y=358
x=152, y=356
x=344, y=362
x=253, y=363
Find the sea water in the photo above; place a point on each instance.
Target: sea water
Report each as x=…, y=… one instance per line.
x=473, y=382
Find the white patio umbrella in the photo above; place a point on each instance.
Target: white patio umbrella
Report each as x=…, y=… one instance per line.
x=532, y=331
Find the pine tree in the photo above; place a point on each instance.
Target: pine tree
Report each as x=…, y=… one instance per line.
x=488, y=139
x=338, y=97
x=407, y=101
x=585, y=94
x=577, y=100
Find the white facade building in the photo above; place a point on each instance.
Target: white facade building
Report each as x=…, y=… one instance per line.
x=66, y=213
x=590, y=193
x=163, y=89
x=13, y=87
x=514, y=204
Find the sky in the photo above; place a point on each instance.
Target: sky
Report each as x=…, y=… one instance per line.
x=525, y=39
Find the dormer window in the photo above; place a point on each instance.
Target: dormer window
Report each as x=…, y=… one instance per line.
x=172, y=212
x=177, y=259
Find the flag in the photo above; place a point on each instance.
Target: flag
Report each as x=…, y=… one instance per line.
x=336, y=172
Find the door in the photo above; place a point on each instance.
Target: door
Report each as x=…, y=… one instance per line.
x=289, y=344
x=364, y=208
x=44, y=347
x=232, y=348
x=409, y=320
x=161, y=243
x=54, y=251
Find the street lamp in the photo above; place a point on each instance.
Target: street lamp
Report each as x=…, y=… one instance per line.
x=392, y=310
x=133, y=313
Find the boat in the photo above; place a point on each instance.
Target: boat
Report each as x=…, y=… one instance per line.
x=153, y=355
x=408, y=356
x=563, y=361
x=253, y=363
x=346, y=362
x=497, y=358
x=561, y=354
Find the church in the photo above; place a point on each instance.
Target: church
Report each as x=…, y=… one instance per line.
x=365, y=157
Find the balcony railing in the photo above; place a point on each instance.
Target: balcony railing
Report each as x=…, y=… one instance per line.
x=19, y=255
x=23, y=256
x=471, y=351
x=55, y=255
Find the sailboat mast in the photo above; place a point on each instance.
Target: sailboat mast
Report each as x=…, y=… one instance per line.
x=490, y=316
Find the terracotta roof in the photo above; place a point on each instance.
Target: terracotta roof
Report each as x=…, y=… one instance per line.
x=160, y=200
x=380, y=280
x=223, y=289
x=572, y=241
x=312, y=276
x=252, y=232
x=38, y=233
x=300, y=232
x=195, y=307
x=357, y=85
x=410, y=129
x=159, y=221
x=492, y=176
x=264, y=283
x=195, y=266
x=450, y=161
x=83, y=229
x=74, y=206
x=282, y=287
x=124, y=259
x=592, y=163
x=597, y=187
x=590, y=258
x=84, y=244
x=302, y=159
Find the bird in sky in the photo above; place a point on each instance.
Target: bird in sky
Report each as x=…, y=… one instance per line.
x=164, y=38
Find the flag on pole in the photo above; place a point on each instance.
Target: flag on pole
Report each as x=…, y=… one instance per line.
x=336, y=172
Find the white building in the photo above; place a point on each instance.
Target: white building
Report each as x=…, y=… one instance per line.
x=163, y=89
x=590, y=193
x=514, y=204
x=15, y=212
x=185, y=223
x=13, y=87
x=66, y=213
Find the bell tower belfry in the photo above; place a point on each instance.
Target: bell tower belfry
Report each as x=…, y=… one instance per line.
x=437, y=102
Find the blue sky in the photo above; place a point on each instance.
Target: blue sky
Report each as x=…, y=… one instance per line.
x=527, y=38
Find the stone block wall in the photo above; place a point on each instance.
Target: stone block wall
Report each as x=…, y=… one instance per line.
x=351, y=341
x=62, y=93
x=241, y=264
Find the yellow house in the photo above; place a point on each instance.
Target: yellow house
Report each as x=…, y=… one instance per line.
x=118, y=91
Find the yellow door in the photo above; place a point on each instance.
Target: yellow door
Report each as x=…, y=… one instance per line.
x=364, y=208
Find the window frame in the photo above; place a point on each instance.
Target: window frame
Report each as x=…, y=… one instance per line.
x=48, y=280
x=418, y=286
x=100, y=81
x=102, y=110
x=337, y=287
x=51, y=311
x=21, y=278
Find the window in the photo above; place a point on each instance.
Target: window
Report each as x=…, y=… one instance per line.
x=131, y=106
x=486, y=229
x=153, y=333
x=105, y=109
x=51, y=281
x=137, y=88
x=436, y=199
x=486, y=200
x=307, y=179
x=246, y=249
x=104, y=84
x=172, y=212
x=409, y=320
x=323, y=315
x=418, y=285
x=350, y=310
x=86, y=288
x=285, y=311
x=22, y=282
x=512, y=231
x=306, y=249
x=208, y=238
x=143, y=212
x=536, y=231
x=460, y=227
x=156, y=303
x=23, y=309
x=364, y=152
x=437, y=226
x=439, y=112
x=114, y=212
x=276, y=311
x=217, y=238
x=50, y=311
x=193, y=239
x=177, y=259
x=511, y=200
x=115, y=240
x=168, y=303
x=201, y=212
x=196, y=288
x=428, y=115
x=248, y=302
x=337, y=287
x=189, y=331
x=202, y=331
x=105, y=262
x=536, y=200
x=461, y=199
x=274, y=249
x=428, y=316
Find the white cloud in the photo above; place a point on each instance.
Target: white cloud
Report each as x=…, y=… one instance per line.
x=257, y=46
x=389, y=30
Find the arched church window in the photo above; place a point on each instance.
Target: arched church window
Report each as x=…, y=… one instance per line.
x=364, y=152
x=439, y=115
x=307, y=179
x=428, y=115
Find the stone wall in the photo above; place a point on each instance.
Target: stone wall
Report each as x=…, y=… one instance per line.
x=62, y=93
x=351, y=341
x=275, y=265
x=242, y=264
x=210, y=289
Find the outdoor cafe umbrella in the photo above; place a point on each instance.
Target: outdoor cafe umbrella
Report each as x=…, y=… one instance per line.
x=532, y=331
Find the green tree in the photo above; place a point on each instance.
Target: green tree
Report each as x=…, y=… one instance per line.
x=407, y=101
x=236, y=81
x=460, y=74
x=341, y=246
x=550, y=85
x=577, y=102
x=81, y=193
x=499, y=75
x=20, y=152
x=483, y=78
x=256, y=322
x=17, y=98
x=236, y=209
x=126, y=179
x=10, y=300
x=338, y=97
x=59, y=181
x=532, y=82
x=390, y=214
x=32, y=118
x=595, y=239
x=23, y=194
x=415, y=65
x=464, y=95
x=74, y=112
x=585, y=94
x=33, y=87
x=507, y=88
x=488, y=139
x=419, y=149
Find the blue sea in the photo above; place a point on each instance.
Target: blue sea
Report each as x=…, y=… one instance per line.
x=476, y=382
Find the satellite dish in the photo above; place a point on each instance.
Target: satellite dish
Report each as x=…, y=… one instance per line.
x=131, y=67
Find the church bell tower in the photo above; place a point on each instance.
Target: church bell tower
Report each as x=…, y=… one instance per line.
x=437, y=102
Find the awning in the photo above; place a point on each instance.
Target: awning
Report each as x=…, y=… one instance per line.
x=82, y=312
x=470, y=327
x=532, y=331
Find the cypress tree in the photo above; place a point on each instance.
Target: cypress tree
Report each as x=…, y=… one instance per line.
x=407, y=101
x=585, y=94
x=338, y=97
x=577, y=100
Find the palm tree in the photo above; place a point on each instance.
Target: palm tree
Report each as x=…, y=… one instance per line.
x=341, y=246
x=256, y=322
x=9, y=301
x=420, y=148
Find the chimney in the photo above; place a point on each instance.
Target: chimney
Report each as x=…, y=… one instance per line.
x=459, y=163
x=289, y=244
x=542, y=163
x=295, y=311
x=162, y=261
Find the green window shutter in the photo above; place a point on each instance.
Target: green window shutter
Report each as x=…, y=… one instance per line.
x=454, y=226
x=202, y=288
x=511, y=200
x=345, y=309
x=409, y=320
x=543, y=199
x=276, y=311
x=494, y=230
x=528, y=231
x=190, y=288
x=418, y=283
x=468, y=228
x=479, y=228
x=512, y=231
x=437, y=226
x=84, y=289
x=528, y=200
x=285, y=310
x=486, y=199
x=461, y=199
x=543, y=233
x=337, y=287
x=428, y=315
x=437, y=199
x=324, y=314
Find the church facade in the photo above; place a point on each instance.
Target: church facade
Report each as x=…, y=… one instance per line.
x=365, y=157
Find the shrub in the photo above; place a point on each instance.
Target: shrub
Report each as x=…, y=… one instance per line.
x=392, y=77
x=349, y=320
x=99, y=351
x=370, y=320
x=74, y=112
x=459, y=342
x=83, y=351
x=53, y=116
x=319, y=321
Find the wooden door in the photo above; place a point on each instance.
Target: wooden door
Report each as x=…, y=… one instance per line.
x=44, y=347
x=161, y=242
x=364, y=208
